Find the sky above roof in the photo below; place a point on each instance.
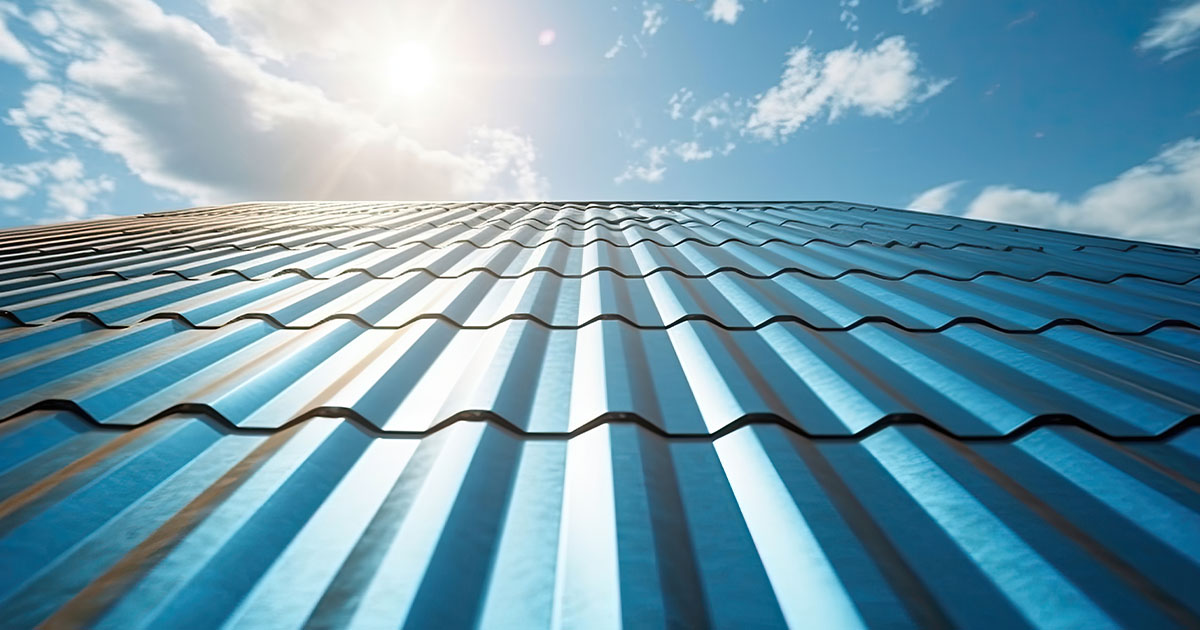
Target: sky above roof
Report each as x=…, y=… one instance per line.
x=1070, y=114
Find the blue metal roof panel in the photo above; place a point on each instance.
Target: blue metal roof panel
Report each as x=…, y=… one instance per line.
x=711, y=226
x=729, y=299
x=181, y=523
x=690, y=258
x=692, y=378
x=530, y=414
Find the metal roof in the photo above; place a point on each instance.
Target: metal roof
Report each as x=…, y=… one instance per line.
x=595, y=414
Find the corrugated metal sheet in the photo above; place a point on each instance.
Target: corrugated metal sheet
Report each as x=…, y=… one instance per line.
x=659, y=300
x=180, y=523
x=821, y=260
x=692, y=378
x=595, y=414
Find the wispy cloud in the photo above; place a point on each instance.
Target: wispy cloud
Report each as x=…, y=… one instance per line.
x=1175, y=32
x=650, y=169
x=652, y=19
x=616, y=48
x=937, y=198
x=67, y=188
x=1021, y=19
x=652, y=166
x=918, y=6
x=849, y=15
x=879, y=81
x=726, y=11
x=1158, y=200
x=679, y=102
x=16, y=52
x=692, y=152
x=725, y=111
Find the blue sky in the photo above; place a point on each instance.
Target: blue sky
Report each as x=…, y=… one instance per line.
x=1071, y=114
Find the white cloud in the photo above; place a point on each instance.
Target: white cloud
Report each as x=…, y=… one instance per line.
x=848, y=16
x=74, y=196
x=43, y=22
x=18, y=180
x=11, y=187
x=714, y=126
x=1175, y=32
x=501, y=154
x=726, y=11
x=935, y=199
x=63, y=180
x=314, y=28
x=192, y=116
x=881, y=81
x=679, y=100
x=692, y=152
x=652, y=19
x=650, y=170
x=920, y=6
x=616, y=47
x=720, y=112
x=13, y=51
x=1158, y=200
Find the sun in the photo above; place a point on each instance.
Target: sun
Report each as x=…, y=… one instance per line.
x=411, y=69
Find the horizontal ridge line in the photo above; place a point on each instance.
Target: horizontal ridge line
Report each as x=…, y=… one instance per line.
x=860, y=241
x=206, y=413
x=865, y=224
x=541, y=269
x=700, y=318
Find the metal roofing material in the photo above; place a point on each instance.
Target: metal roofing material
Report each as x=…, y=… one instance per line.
x=833, y=221
x=180, y=523
x=594, y=414
x=726, y=298
x=693, y=378
x=529, y=234
x=691, y=259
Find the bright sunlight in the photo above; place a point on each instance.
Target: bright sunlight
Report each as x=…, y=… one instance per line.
x=411, y=69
